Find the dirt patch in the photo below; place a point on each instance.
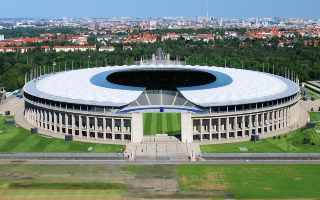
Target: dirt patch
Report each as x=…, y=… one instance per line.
x=267, y=188
x=209, y=182
x=297, y=178
x=155, y=184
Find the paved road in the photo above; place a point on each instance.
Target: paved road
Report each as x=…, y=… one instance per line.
x=118, y=159
x=123, y=162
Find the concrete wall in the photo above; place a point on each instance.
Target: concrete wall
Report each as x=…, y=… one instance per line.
x=225, y=127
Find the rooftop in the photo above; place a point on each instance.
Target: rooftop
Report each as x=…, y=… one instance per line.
x=231, y=87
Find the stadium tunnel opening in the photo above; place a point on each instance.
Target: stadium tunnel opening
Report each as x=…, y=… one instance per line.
x=165, y=79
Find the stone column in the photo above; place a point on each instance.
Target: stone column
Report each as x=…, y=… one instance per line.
x=55, y=122
x=35, y=117
x=30, y=115
x=281, y=118
x=262, y=123
x=38, y=118
x=219, y=128
x=201, y=129
x=122, y=129
x=88, y=127
x=41, y=118
x=113, y=129
x=289, y=116
x=186, y=128
x=60, y=123
x=46, y=119
x=66, y=123
x=96, y=127
x=50, y=120
x=235, y=126
x=273, y=120
x=227, y=127
x=104, y=127
x=278, y=118
x=137, y=128
x=243, y=126
x=286, y=117
x=80, y=126
x=210, y=129
x=73, y=124
x=257, y=123
x=250, y=124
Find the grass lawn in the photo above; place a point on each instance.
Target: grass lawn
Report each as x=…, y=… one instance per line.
x=315, y=117
x=162, y=123
x=13, y=139
x=304, y=140
x=159, y=182
x=253, y=181
x=36, y=182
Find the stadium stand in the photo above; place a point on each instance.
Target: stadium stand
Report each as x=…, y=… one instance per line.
x=161, y=97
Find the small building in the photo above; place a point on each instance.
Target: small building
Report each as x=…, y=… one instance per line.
x=73, y=48
x=106, y=49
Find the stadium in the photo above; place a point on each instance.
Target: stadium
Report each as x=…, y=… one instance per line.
x=214, y=104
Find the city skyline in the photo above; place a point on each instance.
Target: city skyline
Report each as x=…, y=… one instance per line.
x=163, y=8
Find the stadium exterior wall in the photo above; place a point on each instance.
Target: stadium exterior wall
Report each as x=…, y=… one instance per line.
x=223, y=127
x=240, y=126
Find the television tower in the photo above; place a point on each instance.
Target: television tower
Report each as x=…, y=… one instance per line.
x=207, y=8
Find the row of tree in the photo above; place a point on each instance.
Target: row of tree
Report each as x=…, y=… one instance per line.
x=305, y=61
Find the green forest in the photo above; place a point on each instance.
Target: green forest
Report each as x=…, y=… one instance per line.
x=305, y=61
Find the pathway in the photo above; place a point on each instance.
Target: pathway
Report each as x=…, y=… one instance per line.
x=163, y=147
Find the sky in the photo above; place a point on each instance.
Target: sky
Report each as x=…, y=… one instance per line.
x=159, y=8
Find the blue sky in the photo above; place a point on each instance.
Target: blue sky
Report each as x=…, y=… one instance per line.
x=154, y=8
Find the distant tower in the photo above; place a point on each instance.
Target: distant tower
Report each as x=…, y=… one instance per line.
x=257, y=22
x=207, y=8
x=221, y=22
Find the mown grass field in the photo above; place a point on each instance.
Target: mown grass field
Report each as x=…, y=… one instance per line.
x=315, y=117
x=13, y=139
x=253, y=181
x=306, y=140
x=159, y=182
x=162, y=123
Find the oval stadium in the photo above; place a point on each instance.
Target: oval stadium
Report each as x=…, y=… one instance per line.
x=216, y=105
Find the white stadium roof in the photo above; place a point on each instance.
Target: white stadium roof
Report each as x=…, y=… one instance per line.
x=232, y=87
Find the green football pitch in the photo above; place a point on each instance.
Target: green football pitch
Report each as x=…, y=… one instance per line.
x=162, y=123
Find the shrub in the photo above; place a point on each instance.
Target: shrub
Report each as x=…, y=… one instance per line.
x=306, y=141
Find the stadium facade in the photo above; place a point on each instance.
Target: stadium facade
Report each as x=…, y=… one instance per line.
x=217, y=105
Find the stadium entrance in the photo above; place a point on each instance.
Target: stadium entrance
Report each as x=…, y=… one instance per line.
x=162, y=123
